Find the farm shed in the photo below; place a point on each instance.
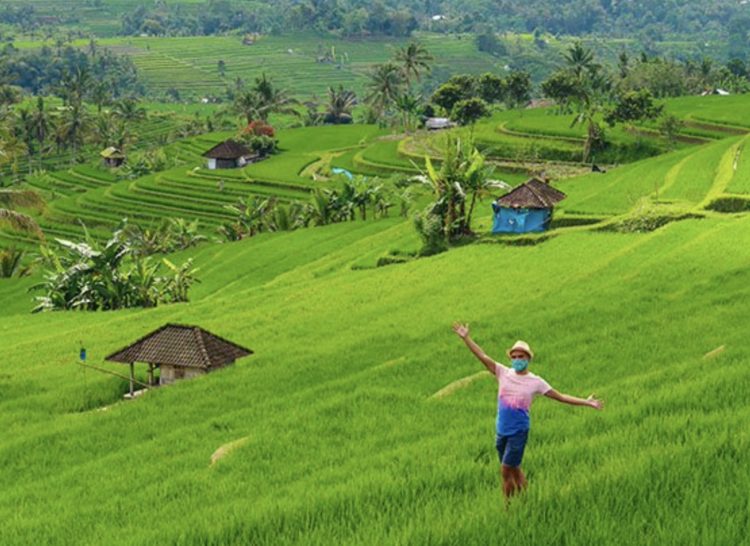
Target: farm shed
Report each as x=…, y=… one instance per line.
x=526, y=208
x=180, y=352
x=112, y=157
x=229, y=155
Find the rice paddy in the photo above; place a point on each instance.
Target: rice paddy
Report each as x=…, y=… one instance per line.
x=361, y=418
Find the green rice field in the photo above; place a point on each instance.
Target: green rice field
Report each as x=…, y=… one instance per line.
x=331, y=432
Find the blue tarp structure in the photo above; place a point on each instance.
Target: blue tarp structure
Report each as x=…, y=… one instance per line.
x=526, y=208
x=520, y=220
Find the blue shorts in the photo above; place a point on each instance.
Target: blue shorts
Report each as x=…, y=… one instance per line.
x=510, y=448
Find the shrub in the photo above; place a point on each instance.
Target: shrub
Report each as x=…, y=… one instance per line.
x=430, y=229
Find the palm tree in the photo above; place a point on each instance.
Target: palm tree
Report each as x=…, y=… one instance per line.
x=272, y=100
x=246, y=104
x=340, y=104
x=580, y=60
x=40, y=126
x=414, y=59
x=129, y=110
x=73, y=126
x=385, y=85
x=25, y=131
x=408, y=104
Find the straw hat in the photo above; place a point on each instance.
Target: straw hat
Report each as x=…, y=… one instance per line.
x=521, y=346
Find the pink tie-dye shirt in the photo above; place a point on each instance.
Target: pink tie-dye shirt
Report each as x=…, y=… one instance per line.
x=514, y=395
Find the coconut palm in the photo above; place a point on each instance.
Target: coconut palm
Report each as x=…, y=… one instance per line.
x=246, y=104
x=129, y=110
x=40, y=126
x=414, y=60
x=340, y=104
x=408, y=104
x=385, y=85
x=73, y=126
x=580, y=60
x=272, y=100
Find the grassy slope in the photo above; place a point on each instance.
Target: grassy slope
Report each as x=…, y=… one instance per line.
x=344, y=444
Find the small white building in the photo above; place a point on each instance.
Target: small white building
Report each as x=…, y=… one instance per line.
x=229, y=154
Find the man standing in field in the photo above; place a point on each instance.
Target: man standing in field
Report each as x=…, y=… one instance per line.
x=517, y=387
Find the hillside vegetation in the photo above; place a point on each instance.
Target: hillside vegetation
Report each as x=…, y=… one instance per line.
x=331, y=432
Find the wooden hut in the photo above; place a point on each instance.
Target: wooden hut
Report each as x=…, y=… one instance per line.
x=229, y=154
x=526, y=208
x=112, y=157
x=179, y=352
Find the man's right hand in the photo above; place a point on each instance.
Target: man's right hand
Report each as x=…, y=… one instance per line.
x=462, y=330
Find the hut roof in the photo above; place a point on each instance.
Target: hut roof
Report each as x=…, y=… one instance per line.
x=181, y=345
x=112, y=153
x=229, y=149
x=533, y=194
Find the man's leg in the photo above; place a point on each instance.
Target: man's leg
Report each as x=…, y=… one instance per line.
x=519, y=478
x=509, y=481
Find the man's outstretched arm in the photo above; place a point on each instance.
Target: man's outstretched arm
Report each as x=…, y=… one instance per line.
x=462, y=330
x=574, y=401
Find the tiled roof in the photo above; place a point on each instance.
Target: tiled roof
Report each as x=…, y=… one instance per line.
x=229, y=149
x=533, y=194
x=180, y=345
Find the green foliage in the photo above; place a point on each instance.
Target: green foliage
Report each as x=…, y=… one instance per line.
x=633, y=106
x=429, y=226
x=89, y=276
x=469, y=111
x=669, y=127
x=11, y=263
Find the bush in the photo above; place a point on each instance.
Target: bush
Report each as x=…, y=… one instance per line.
x=430, y=229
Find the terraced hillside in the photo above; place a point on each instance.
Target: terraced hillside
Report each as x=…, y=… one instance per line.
x=331, y=431
x=295, y=62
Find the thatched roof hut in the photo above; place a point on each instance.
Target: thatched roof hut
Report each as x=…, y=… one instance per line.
x=180, y=352
x=112, y=157
x=526, y=208
x=532, y=194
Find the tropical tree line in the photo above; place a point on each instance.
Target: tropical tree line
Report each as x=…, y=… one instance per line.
x=601, y=96
x=52, y=71
x=32, y=133
x=105, y=276
x=357, y=198
x=643, y=20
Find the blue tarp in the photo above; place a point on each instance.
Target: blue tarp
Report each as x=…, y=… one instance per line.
x=508, y=220
x=338, y=170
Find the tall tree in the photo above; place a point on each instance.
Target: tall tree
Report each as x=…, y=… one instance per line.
x=414, y=60
x=40, y=126
x=385, y=85
x=339, y=106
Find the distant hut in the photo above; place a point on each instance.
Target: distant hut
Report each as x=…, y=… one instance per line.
x=526, y=208
x=112, y=157
x=229, y=155
x=179, y=352
x=436, y=124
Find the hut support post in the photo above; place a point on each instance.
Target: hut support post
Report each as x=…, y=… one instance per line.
x=132, y=378
x=150, y=375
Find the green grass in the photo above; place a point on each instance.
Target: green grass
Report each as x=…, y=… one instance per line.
x=344, y=444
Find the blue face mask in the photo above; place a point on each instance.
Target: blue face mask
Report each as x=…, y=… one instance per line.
x=519, y=364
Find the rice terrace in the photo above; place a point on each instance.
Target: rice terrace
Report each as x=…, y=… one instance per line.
x=279, y=273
